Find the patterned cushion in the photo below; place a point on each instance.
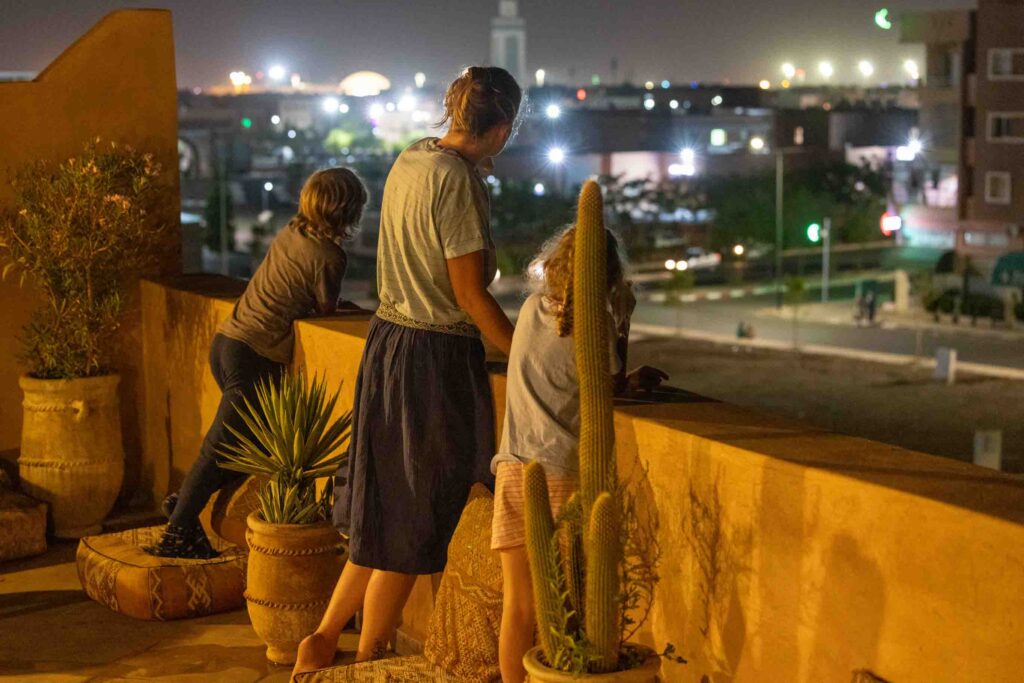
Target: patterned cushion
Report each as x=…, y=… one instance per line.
x=414, y=669
x=116, y=572
x=22, y=525
x=463, y=633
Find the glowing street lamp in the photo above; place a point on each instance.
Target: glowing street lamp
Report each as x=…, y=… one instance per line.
x=330, y=105
x=674, y=104
x=275, y=119
x=910, y=66
x=538, y=77
x=826, y=70
x=757, y=143
x=277, y=72
x=268, y=186
x=556, y=155
x=420, y=79
x=538, y=189
x=553, y=111
x=765, y=84
x=789, y=71
x=649, y=103
x=738, y=250
x=866, y=68
x=343, y=108
x=716, y=100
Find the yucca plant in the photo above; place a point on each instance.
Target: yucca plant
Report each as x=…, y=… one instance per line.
x=293, y=444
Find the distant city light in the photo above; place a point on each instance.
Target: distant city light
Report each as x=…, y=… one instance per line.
x=553, y=111
x=406, y=103
x=788, y=70
x=390, y=106
x=538, y=189
x=292, y=134
x=891, y=223
x=240, y=80
x=910, y=66
x=330, y=105
x=595, y=80
x=785, y=83
x=275, y=119
x=538, y=77
x=738, y=250
x=826, y=70
x=687, y=165
x=246, y=122
x=268, y=186
x=649, y=85
x=581, y=94
x=682, y=265
x=343, y=108
x=866, y=68
x=419, y=116
x=718, y=137
x=674, y=104
x=364, y=84
x=649, y=103
x=376, y=110
x=882, y=19
x=665, y=85
x=277, y=72
x=420, y=79
x=764, y=84
x=296, y=81
x=556, y=155
x=757, y=143
x=716, y=100
x=909, y=151
x=670, y=264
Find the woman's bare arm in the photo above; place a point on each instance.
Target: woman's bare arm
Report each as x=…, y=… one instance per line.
x=467, y=277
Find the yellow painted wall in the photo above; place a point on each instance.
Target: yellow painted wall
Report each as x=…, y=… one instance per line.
x=790, y=554
x=116, y=82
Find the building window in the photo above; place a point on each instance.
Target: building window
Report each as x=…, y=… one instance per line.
x=1006, y=126
x=718, y=137
x=798, y=135
x=997, y=187
x=1006, y=64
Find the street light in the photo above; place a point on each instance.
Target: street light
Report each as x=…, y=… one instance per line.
x=789, y=71
x=420, y=79
x=910, y=66
x=716, y=100
x=538, y=77
x=765, y=84
x=738, y=250
x=277, y=72
x=553, y=111
x=556, y=155
x=826, y=70
x=538, y=189
x=649, y=103
x=330, y=105
x=275, y=119
x=757, y=143
x=866, y=68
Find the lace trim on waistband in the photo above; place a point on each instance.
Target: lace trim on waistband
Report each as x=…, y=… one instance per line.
x=389, y=313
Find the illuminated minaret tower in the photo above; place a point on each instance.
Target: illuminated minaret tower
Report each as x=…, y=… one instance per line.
x=508, y=40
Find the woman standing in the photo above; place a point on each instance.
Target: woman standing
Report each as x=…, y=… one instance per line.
x=299, y=278
x=423, y=423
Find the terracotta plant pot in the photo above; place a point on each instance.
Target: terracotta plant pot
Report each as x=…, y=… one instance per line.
x=290, y=576
x=538, y=672
x=71, y=451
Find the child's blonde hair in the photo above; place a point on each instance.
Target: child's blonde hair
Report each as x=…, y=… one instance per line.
x=331, y=205
x=551, y=273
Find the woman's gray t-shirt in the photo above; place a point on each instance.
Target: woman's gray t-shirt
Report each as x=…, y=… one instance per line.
x=297, y=273
x=542, y=394
x=435, y=207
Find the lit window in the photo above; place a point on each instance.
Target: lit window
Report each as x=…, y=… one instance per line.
x=1006, y=64
x=1006, y=126
x=997, y=187
x=798, y=135
x=718, y=137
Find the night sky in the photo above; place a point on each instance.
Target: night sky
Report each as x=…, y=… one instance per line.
x=740, y=40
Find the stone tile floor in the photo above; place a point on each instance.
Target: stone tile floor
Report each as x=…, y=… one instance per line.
x=50, y=631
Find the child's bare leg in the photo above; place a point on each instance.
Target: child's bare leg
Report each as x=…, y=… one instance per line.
x=317, y=649
x=386, y=594
x=517, y=614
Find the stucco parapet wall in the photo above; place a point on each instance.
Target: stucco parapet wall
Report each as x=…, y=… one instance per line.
x=789, y=553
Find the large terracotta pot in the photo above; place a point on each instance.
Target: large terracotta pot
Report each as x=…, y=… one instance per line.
x=538, y=672
x=71, y=451
x=290, y=576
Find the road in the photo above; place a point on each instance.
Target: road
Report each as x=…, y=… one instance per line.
x=722, y=317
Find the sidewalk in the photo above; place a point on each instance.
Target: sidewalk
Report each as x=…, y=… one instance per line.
x=841, y=313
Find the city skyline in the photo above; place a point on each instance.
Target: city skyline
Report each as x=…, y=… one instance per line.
x=738, y=42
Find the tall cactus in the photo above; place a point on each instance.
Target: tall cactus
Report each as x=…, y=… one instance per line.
x=594, y=574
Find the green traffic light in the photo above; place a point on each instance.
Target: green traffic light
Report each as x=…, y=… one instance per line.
x=246, y=122
x=814, y=232
x=882, y=19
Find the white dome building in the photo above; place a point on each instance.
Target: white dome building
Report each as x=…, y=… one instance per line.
x=364, y=84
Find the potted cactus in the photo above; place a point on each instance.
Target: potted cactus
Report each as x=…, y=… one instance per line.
x=576, y=562
x=295, y=554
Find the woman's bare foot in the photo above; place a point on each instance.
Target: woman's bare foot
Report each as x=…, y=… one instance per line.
x=315, y=652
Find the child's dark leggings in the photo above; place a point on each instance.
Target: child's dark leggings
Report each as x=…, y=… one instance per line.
x=237, y=370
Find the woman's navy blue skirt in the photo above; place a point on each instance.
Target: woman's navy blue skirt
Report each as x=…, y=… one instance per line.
x=422, y=434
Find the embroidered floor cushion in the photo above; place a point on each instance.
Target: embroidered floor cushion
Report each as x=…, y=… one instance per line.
x=22, y=525
x=463, y=635
x=116, y=572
